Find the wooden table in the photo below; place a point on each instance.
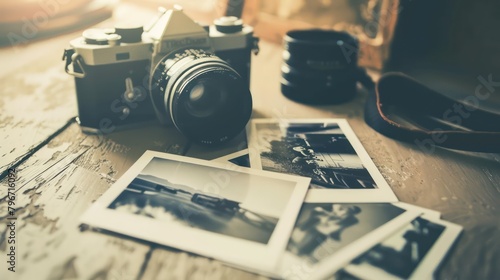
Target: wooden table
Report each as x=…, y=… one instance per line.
x=62, y=171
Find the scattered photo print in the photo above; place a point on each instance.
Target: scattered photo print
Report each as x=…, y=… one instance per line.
x=399, y=256
x=160, y=199
x=167, y=191
x=318, y=150
x=327, y=236
x=203, y=207
x=325, y=150
x=324, y=228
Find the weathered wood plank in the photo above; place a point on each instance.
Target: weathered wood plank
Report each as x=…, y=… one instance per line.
x=37, y=96
x=61, y=180
x=165, y=265
x=56, y=185
x=28, y=105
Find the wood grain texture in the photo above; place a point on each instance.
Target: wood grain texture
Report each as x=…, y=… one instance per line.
x=37, y=96
x=63, y=178
x=56, y=185
x=35, y=102
x=166, y=265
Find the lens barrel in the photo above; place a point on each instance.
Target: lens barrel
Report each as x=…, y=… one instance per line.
x=202, y=95
x=319, y=66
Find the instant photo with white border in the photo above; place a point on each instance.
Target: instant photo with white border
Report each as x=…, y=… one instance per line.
x=265, y=202
x=357, y=236
x=261, y=140
x=418, y=258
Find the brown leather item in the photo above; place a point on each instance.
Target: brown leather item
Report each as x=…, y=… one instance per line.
x=402, y=108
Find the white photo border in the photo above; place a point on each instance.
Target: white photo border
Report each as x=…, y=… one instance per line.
x=330, y=265
x=383, y=193
x=429, y=263
x=238, y=252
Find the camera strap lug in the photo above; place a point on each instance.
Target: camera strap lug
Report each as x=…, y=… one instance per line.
x=255, y=45
x=70, y=56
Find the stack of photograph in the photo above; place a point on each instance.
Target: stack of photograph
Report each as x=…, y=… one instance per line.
x=304, y=201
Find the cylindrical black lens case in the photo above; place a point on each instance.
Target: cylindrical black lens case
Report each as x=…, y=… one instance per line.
x=319, y=66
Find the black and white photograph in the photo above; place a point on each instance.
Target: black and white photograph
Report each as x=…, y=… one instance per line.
x=239, y=216
x=324, y=228
x=325, y=150
x=414, y=252
x=328, y=235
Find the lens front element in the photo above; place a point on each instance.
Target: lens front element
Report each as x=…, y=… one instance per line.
x=204, y=97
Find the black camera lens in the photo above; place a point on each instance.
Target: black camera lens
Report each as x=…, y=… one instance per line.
x=319, y=66
x=201, y=95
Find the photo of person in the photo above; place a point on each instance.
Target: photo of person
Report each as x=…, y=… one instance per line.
x=324, y=228
x=324, y=222
x=320, y=151
x=400, y=254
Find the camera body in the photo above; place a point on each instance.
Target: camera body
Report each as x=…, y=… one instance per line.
x=114, y=68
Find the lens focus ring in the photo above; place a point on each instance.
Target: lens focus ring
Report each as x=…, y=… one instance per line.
x=203, y=96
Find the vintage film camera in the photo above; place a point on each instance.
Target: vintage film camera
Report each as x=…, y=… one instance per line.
x=192, y=76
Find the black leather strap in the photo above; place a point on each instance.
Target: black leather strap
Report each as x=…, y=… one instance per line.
x=402, y=108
